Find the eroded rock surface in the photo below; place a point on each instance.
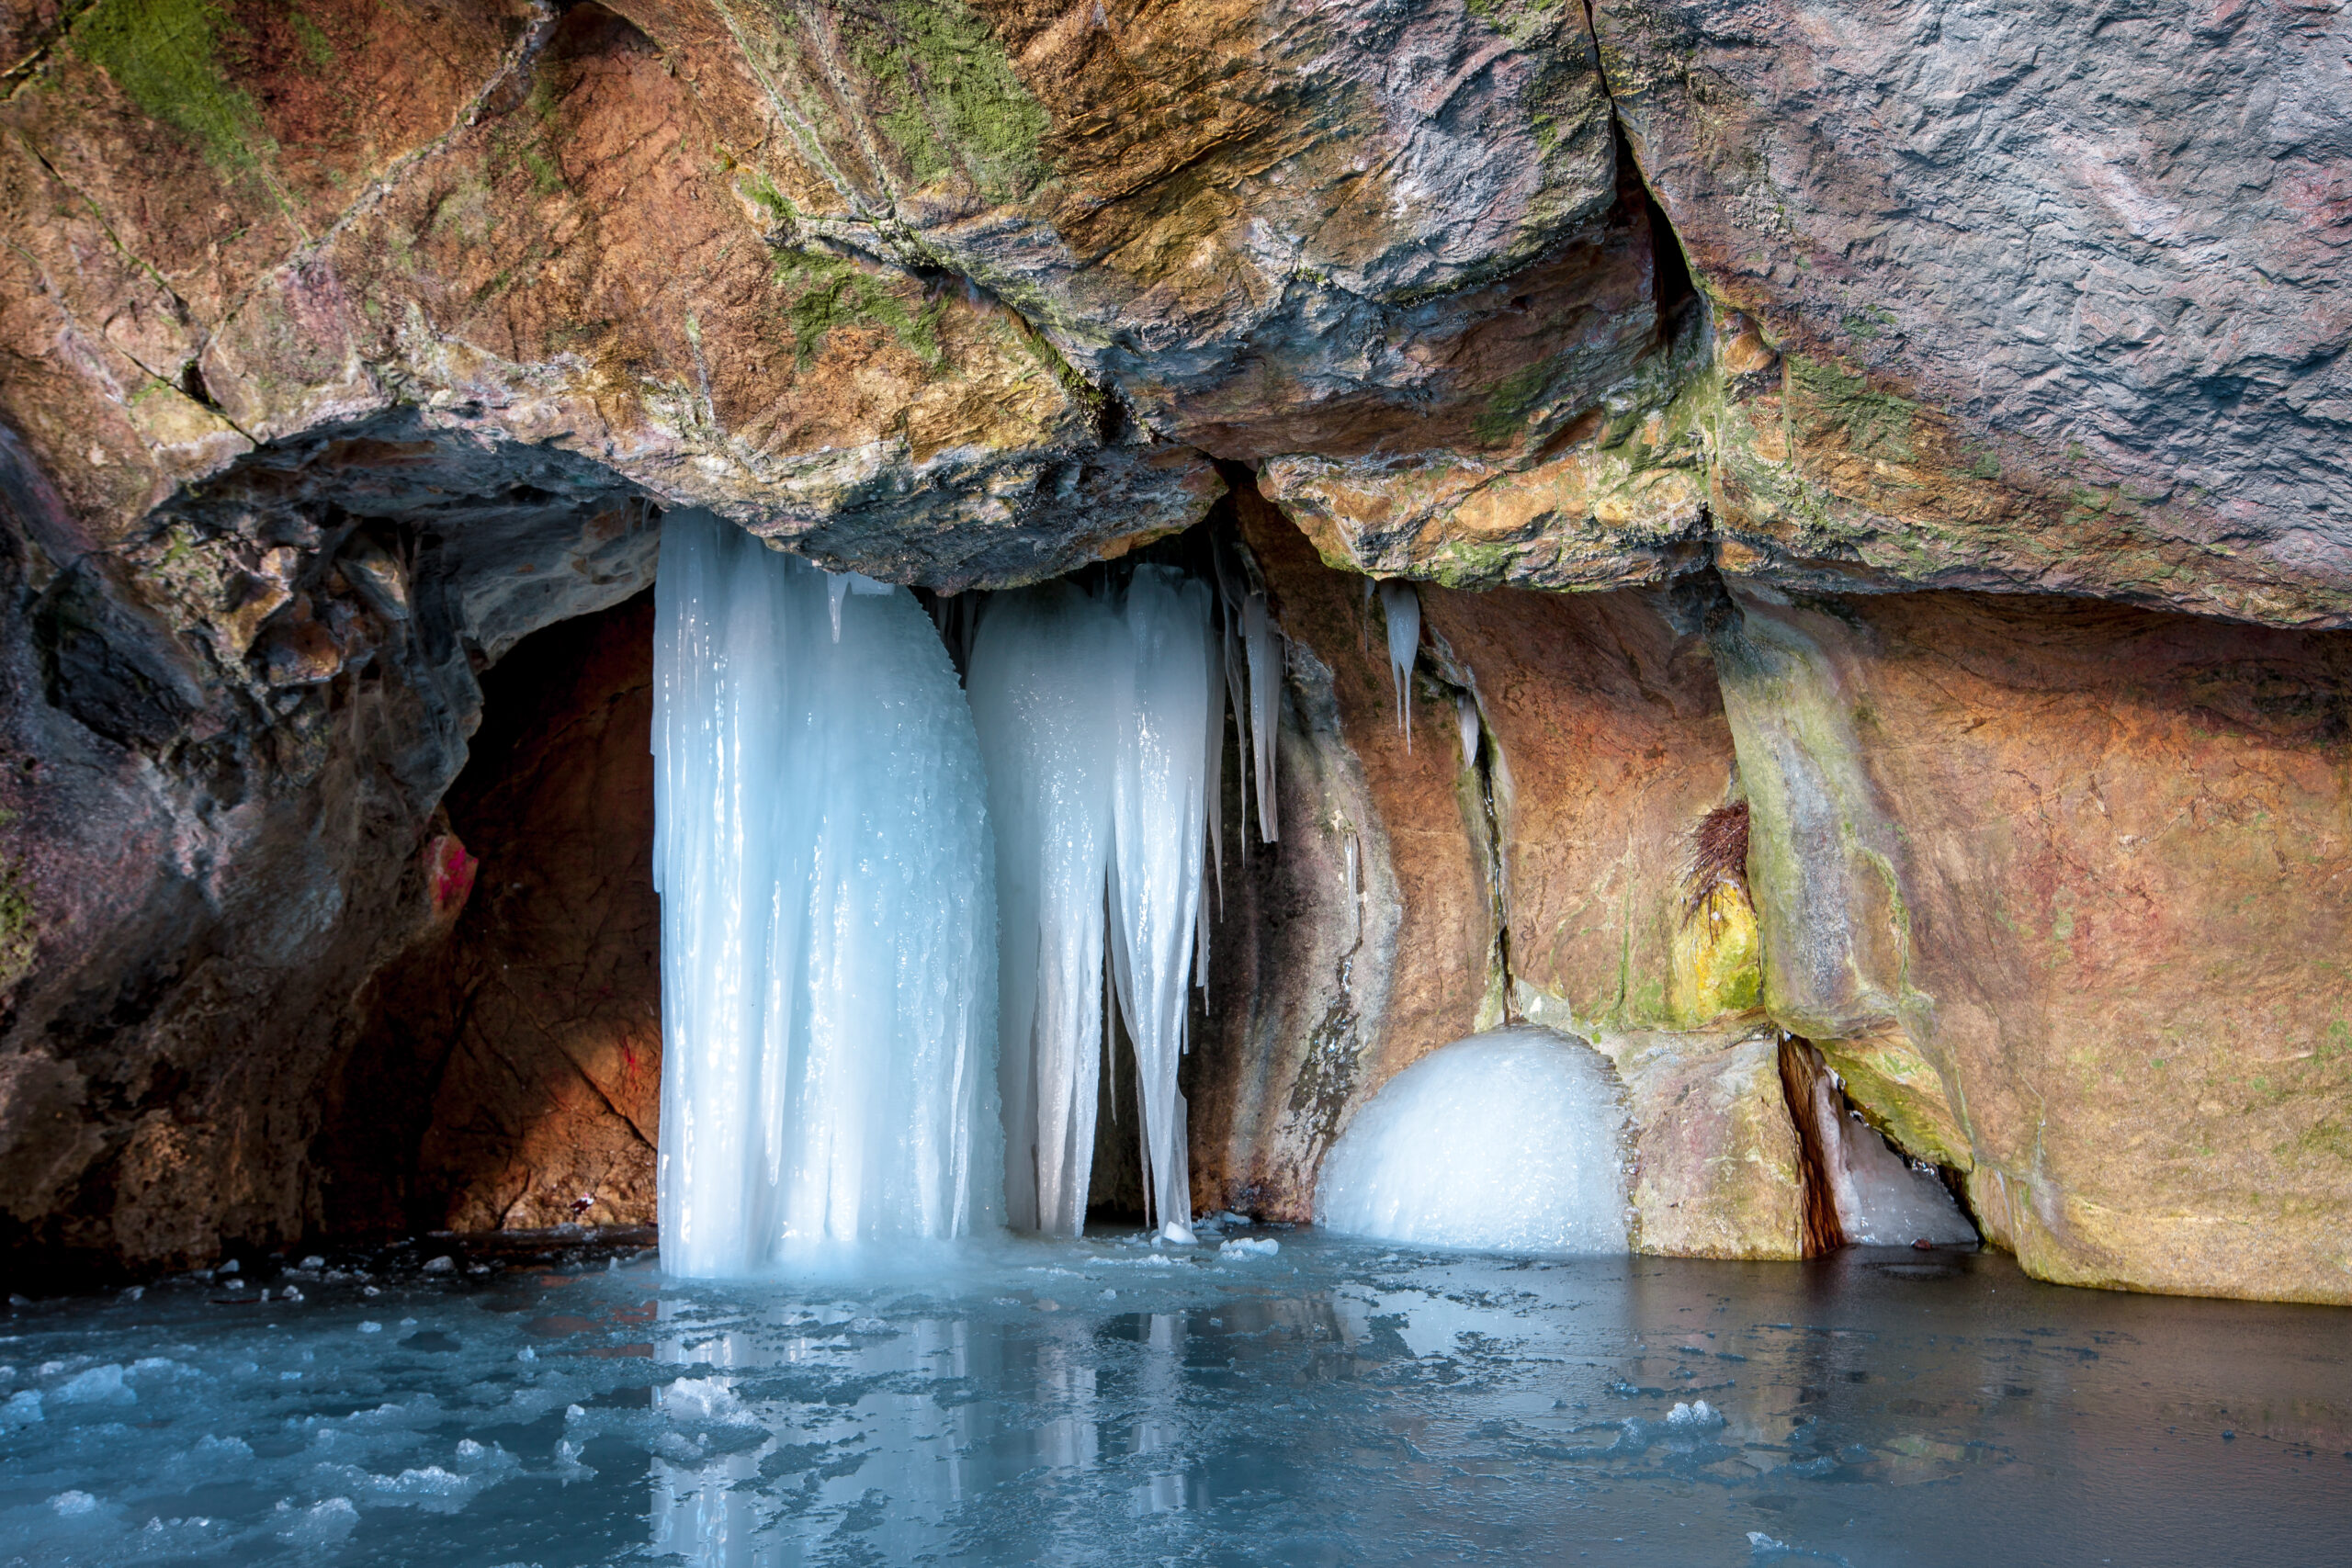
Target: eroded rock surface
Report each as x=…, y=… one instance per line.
x=509, y=1073
x=2058, y=294
x=2063, y=891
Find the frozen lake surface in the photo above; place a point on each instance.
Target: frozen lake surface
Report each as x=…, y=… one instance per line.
x=1103, y=1403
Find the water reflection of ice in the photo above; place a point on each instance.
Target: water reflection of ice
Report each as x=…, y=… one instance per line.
x=787, y=1437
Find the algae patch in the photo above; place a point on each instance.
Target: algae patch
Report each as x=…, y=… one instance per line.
x=161, y=54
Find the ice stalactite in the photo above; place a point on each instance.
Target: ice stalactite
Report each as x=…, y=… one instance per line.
x=1264, y=647
x=1465, y=717
x=1101, y=713
x=1403, y=608
x=828, y=915
x=1047, y=704
x=1159, y=804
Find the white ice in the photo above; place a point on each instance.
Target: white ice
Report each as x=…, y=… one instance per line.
x=1882, y=1201
x=828, y=904
x=1046, y=702
x=1403, y=608
x=1264, y=646
x=1099, y=715
x=1507, y=1142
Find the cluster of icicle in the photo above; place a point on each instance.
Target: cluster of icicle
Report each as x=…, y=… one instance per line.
x=828, y=913
x=1101, y=717
x=852, y=852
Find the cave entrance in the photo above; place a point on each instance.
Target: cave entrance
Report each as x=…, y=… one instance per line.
x=506, y=1073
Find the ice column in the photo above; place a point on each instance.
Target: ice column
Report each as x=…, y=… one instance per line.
x=1160, y=826
x=827, y=915
x=1403, y=607
x=1099, y=717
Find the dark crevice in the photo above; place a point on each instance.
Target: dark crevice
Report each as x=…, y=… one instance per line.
x=1803, y=1082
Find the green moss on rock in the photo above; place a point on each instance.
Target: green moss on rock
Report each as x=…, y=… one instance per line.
x=161, y=53
x=827, y=292
x=958, y=104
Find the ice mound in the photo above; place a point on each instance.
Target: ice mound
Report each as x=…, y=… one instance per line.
x=1250, y=1247
x=1507, y=1142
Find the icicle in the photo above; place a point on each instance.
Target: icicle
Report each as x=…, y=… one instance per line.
x=1403, y=607
x=1466, y=714
x=1265, y=652
x=1158, y=839
x=1045, y=696
x=819, y=839
x=1236, y=696
x=836, y=589
x=1214, y=801
x=1363, y=620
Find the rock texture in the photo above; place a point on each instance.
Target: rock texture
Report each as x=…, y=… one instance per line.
x=2057, y=294
x=1318, y=997
x=509, y=1072
x=2063, y=891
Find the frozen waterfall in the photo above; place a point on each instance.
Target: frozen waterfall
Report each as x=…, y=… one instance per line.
x=828, y=914
x=1508, y=1142
x=1101, y=713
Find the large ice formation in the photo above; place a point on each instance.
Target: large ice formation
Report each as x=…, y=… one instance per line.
x=1101, y=713
x=1507, y=1142
x=828, y=914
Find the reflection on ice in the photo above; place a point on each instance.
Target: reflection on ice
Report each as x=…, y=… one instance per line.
x=1110, y=1402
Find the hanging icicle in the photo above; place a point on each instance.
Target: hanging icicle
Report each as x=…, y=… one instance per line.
x=1046, y=707
x=1099, y=715
x=827, y=915
x=1403, y=607
x=1157, y=837
x=1264, y=646
x=1465, y=715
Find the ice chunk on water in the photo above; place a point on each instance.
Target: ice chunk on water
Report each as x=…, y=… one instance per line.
x=1250, y=1247
x=73, y=1504
x=828, y=977
x=321, y=1524
x=1702, y=1413
x=99, y=1385
x=1509, y=1141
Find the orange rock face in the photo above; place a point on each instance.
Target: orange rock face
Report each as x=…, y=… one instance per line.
x=2067, y=887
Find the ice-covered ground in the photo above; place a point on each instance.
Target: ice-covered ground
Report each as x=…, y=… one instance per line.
x=1110, y=1402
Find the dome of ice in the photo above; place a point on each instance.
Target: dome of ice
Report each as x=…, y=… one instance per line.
x=1507, y=1142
